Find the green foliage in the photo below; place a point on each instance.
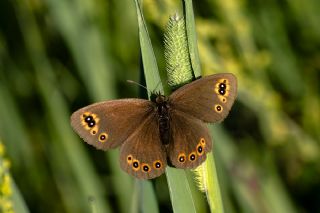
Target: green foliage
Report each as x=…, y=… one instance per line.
x=58, y=56
x=180, y=193
x=181, y=56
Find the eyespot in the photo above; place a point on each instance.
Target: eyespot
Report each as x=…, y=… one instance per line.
x=145, y=167
x=103, y=137
x=222, y=86
x=223, y=99
x=94, y=130
x=200, y=150
x=129, y=159
x=157, y=164
x=192, y=156
x=222, y=92
x=135, y=165
x=181, y=157
x=91, y=124
x=89, y=120
x=218, y=108
x=202, y=141
x=222, y=83
x=222, y=89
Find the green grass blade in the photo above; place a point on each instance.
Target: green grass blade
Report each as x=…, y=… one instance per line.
x=192, y=38
x=180, y=193
x=143, y=199
x=208, y=178
x=149, y=198
x=149, y=61
x=153, y=80
x=17, y=199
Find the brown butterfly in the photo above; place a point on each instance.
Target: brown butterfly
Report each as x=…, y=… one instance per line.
x=164, y=131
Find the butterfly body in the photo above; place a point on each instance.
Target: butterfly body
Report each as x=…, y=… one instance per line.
x=163, y=116
x=166, y=130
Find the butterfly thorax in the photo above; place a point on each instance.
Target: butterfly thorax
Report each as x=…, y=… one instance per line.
x=161, y=102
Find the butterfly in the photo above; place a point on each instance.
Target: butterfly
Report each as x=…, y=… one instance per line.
x=163, y=131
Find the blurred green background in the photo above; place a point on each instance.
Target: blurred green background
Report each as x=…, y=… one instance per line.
x=57, y=56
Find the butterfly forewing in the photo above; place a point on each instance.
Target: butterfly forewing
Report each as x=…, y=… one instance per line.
x=108, y=124
x=190, y=140
x=142, y=155
x=136, y=124
x=208, y=99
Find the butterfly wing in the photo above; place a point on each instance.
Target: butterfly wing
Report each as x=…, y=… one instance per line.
x=142, y=155
x=187, y=149
x=208, y=99
x=107, y=124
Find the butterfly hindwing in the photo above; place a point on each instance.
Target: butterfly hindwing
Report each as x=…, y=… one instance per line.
x=108, y=124
x=136, y=125
x=190, y=141
x=209, y=98
x=142, y=155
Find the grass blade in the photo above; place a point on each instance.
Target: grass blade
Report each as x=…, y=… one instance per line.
x=149, y=61
x=180, y=193
x=206, y=175
x=192, y=38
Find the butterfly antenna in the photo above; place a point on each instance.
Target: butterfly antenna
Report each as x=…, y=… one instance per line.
x=151, y=92
x=133, y=82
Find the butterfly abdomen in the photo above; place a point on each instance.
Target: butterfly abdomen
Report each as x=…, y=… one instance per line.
x=163, y=119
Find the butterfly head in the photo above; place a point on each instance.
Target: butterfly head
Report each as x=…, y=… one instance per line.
x=158, y=98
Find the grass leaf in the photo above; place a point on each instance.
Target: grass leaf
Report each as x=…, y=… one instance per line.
x=180, y=193
x=192, y=38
